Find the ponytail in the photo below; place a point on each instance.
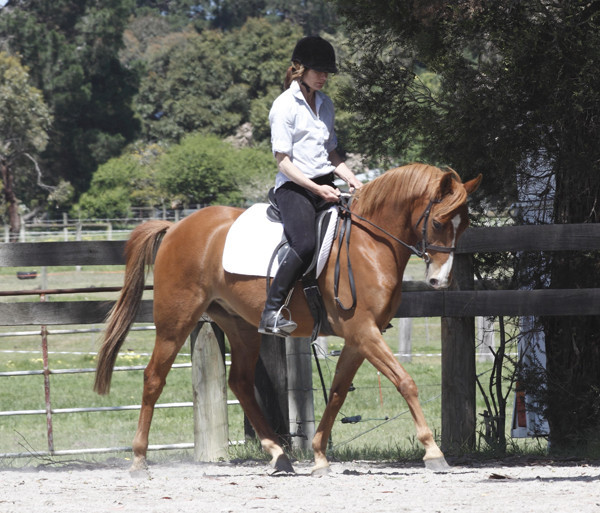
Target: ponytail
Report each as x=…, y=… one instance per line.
x=294, y=72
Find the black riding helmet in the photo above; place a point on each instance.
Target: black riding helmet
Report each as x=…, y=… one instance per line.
x=313, y=52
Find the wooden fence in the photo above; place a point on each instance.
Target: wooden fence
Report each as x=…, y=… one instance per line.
x=457, y=307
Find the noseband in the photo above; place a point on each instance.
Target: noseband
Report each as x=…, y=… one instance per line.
x=422, y=252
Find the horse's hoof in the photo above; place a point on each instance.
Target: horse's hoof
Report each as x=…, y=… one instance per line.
x=320, y=471
x=139, y=468
x=283, y=465
x=437, y=464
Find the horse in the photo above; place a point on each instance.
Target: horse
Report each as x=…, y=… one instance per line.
x=407, y=206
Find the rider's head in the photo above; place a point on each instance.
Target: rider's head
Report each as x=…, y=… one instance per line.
x=311, y=52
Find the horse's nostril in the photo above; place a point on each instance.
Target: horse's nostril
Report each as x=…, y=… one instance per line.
x=433, y=282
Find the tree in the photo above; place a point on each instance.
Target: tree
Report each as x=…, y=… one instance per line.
x=312, y=16
x=205, y=170
x=71, y=48
x=201, y=170
x=212, y=80
x=517, y=101
x=123, y=183
x=24, y=123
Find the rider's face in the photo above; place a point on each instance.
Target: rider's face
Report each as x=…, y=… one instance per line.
x=315, y=79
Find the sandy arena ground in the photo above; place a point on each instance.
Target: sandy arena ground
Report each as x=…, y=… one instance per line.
x=170, y=487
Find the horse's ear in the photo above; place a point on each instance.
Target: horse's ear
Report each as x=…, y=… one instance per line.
x=446, y=184
x=472, y=185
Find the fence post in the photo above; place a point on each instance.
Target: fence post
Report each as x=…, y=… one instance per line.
x=405, y=326
x=458, y=369
x=300, y=392
x=405, y=334
x=211, y=431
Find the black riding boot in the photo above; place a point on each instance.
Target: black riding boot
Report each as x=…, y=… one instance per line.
x=272, y=322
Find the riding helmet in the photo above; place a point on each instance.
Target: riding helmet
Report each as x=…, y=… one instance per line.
x=313, y=52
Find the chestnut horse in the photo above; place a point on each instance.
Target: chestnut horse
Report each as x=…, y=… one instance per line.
x=407, y=207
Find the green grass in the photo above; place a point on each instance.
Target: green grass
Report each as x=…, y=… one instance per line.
x=374, y=399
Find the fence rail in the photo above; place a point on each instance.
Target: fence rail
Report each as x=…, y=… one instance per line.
x=456, y=307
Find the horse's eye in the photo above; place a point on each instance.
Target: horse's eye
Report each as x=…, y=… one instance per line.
x=437, y=225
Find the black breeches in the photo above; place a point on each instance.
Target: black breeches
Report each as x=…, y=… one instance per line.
x=299, y=208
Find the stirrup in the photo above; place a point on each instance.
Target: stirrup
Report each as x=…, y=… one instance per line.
x=285, y=330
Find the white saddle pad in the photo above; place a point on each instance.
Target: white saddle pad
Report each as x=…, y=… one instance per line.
x=252, y=239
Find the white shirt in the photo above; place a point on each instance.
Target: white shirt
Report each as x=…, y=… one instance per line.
x=307, y=138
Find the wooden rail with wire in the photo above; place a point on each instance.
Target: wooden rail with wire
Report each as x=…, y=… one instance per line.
x=457, y=307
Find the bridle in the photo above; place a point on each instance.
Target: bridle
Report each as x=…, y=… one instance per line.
x=421, y=250
x=422, y=253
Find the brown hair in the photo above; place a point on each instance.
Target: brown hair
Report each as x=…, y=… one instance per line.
x=294, y=72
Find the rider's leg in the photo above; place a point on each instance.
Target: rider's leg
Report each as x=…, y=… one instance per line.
x=272, y=322
x=298, y=215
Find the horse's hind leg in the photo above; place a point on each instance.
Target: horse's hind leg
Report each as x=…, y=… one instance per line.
x=170, y=336
x=245, y=345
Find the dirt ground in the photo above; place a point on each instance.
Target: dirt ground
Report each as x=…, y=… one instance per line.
x=178, y=486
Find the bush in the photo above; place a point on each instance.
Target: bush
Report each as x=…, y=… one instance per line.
x=204, y=170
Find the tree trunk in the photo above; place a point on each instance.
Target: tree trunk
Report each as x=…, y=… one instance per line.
x=573, y=343
x=573, y=364
x=11, y=200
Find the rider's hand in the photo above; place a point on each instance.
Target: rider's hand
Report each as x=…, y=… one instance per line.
x=329, y=193
x=354, y=183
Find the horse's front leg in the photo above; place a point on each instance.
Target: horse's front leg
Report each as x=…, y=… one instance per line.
x=376, y=351
x=349, y=362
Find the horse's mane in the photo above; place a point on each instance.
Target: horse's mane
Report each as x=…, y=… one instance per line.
x=404, y=184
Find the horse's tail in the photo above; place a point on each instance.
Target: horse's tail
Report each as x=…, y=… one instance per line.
x=139, y=254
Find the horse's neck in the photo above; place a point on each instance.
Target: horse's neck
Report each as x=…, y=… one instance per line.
x=390, y=254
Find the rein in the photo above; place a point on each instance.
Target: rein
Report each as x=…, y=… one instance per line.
x=346, y=224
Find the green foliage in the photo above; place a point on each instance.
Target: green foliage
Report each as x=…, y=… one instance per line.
x=121, y=183
x=201, y=170
x=24, y=124
x=313, y=16
x=107, y=204
x=71, y=48
x=205, y=170
x=517, y=101
x=24, y=117
x=255, y=171
x=212, y=80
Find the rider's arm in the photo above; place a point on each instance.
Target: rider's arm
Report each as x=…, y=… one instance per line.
x=289, y=169
x=343, y=171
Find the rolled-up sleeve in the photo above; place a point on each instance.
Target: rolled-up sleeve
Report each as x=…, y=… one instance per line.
x=281, y=118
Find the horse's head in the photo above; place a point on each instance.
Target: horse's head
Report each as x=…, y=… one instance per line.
x=439, y=221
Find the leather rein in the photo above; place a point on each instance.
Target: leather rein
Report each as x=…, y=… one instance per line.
x=345, y=227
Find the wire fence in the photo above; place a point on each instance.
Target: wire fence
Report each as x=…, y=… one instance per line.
x=30, y=357
x=47, y=371
x=69, y=229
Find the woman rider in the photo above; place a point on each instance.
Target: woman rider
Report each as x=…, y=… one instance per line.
x=304, y=144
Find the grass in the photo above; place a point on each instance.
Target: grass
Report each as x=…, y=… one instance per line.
x=374, y=398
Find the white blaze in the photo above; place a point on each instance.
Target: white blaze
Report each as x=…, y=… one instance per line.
x=442, y=274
